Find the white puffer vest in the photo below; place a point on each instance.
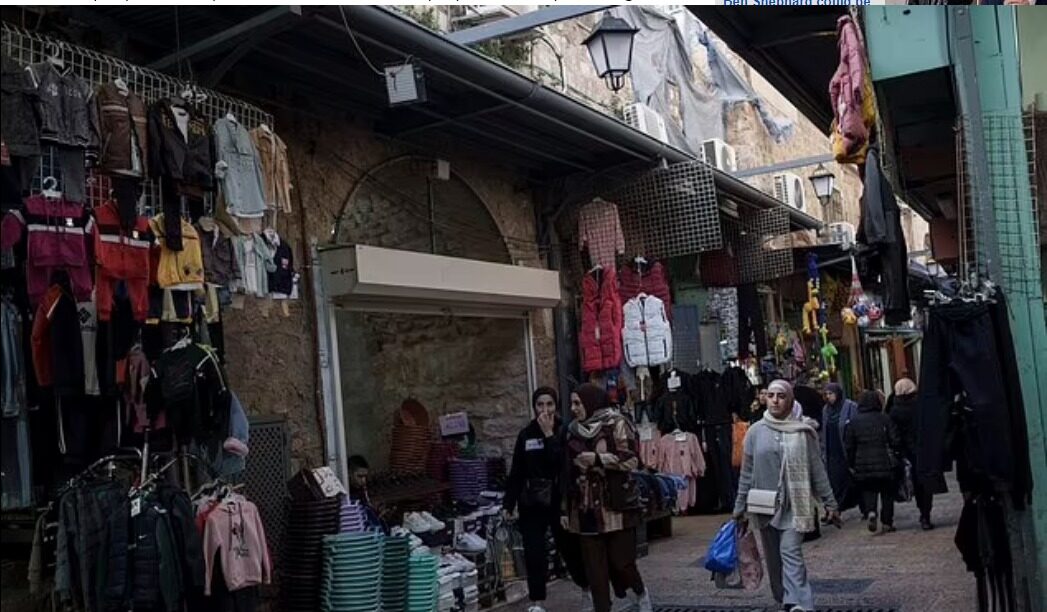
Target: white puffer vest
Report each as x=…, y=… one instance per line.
x=646, y=335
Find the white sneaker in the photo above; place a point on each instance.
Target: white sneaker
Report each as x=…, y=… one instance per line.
x=471, y=543
x=435, y=523
x=535, y=608
x=643, y=602
x=415, y=523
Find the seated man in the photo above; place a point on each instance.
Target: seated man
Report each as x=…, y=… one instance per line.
x=358, y=473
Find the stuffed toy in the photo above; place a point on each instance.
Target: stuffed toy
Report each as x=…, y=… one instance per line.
x=828, y=351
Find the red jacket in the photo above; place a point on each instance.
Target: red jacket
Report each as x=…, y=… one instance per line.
x=600, y=338
x=121, y=255
x=845, y=88
x=635, y=279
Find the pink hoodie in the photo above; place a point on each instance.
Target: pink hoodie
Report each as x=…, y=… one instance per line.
x=235, y=529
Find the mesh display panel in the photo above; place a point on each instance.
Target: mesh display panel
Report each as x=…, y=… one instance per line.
x=686, y=337
x=754, y=262
x=96, y=68
x=670, y=211
x=265, y=477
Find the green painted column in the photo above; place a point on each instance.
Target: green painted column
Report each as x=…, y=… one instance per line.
x=991, y=86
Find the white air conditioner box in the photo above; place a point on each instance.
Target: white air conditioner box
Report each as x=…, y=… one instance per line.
x=842, y=233
x=719, y=155
x=360, y=277
x=647, y=120
x=788, y=188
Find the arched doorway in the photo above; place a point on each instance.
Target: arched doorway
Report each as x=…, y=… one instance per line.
x=482, y=365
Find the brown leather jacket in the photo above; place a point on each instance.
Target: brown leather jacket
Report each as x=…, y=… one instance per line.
x=122, y=123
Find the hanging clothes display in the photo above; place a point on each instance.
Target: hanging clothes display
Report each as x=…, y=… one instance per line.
x=881, y=228
x=600, y=232
x=647, y=337
x=188, y=384
x=680, y=453
x=55, y=231
x=121, y=255
x=181, y=269
x=238, y=169
x=281, y=279
x=600, y=337
x=254, y=258
x=276, y=172
x=123, y=127
x=640, y=276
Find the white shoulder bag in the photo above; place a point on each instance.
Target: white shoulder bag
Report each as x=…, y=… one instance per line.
x=765, y=501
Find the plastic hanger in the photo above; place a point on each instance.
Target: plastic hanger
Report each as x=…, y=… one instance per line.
x=230, y=116
x=55, y=56
x=50, y=188
x=265, y=128
x=121, y=85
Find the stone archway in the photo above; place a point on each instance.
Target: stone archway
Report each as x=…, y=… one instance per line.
x=400, y=204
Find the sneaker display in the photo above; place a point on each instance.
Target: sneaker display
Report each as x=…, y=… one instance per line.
x=471, y=543
x=415, y=523
x=435, y=524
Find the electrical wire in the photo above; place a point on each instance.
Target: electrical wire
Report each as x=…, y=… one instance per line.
x=359, y=49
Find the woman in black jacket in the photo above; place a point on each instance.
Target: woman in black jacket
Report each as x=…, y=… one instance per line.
x=533, y=486
x=872, y=444
x=904, y=414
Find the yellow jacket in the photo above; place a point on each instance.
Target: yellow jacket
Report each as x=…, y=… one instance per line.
x=179, y=269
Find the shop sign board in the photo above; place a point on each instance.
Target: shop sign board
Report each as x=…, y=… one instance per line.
x=454, y=424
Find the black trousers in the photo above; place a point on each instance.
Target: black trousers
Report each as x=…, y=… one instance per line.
x=610, y=559
x=968, y=350
x=534, y=525
x=884, y=490
x=924, y=497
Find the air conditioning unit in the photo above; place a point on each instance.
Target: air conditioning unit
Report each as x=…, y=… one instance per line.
x=647, y=120
x=473, y=15
x=719, y=155
x=842, y=233
x=789, y=189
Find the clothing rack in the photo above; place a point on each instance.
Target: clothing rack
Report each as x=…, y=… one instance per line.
x=97, y=68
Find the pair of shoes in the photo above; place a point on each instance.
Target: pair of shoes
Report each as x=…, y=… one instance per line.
x=470, y=543
x=872, y=522
x=422, y=522
x=889, y=528
x=926, y=524
x=643, y=601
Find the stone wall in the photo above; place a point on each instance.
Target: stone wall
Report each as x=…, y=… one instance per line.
x=272, y=359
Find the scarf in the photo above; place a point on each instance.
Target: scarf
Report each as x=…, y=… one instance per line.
x=797, y=475
x=591, y=427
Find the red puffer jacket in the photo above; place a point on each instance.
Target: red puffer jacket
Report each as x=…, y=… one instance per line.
x=650, y=279
x=600, y=338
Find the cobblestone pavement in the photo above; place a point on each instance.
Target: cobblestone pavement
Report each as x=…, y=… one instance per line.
x=909, y=570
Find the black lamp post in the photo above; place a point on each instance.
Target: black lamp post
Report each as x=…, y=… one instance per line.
x=824, y=182
x=610, y=46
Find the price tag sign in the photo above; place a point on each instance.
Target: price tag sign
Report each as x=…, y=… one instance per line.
x=646, y=434
x=136, y=506
x=681, y=437
x=328, y=482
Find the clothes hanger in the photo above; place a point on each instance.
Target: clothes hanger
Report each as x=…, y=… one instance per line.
x=231, y=116
x=265, y=128
x=55, y=56
x=50, y=188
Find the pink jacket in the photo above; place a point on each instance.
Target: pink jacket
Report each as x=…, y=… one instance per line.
x=682, y=457
x=845, y=88
x=234, y=529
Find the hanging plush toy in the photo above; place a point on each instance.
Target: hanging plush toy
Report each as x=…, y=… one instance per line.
x=852, y=314
x=828, y=351
x=781, y=344
x=813, y=305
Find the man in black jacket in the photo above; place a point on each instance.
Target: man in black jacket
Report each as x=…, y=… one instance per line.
x=871, y=440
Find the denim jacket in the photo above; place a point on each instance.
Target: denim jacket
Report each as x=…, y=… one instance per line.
x=239, y=169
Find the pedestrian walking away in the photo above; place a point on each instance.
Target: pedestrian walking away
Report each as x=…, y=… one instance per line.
x=905, y=414
x=836, y=414
x=602, y=501
x=533, y=488
x=872, y=453
x=782, y=477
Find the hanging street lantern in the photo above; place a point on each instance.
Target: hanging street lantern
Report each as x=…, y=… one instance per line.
x=610, y=46
x=824, y=182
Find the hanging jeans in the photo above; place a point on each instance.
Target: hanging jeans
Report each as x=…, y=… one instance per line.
x=610, y=559
x=968, y=350
x=534, y=525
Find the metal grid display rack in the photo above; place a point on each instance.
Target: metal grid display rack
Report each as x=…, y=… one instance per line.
x=96, y=68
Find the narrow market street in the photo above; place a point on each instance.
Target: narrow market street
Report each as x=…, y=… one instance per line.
x=851, y=569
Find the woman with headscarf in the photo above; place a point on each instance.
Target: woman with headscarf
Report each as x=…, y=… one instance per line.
x=781, y=455
x=601, y=499
x=871, y=442
x=533, y=486
x=836, y=414
x=904, y=414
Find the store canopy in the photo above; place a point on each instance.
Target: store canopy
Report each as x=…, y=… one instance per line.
x=306, y=59
x=794, y=48
x=360, y=277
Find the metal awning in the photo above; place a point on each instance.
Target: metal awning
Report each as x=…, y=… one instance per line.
x=794, y=48
x=302, y=58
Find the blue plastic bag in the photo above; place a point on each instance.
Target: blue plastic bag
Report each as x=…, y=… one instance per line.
x=723, y=551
